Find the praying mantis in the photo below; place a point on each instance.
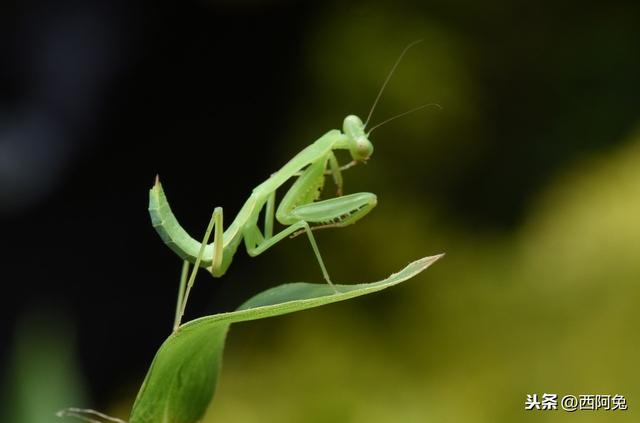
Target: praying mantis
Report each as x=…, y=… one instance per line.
x=300, y=210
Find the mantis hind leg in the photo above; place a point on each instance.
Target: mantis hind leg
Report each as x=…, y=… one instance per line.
x=218, y=243
x=216, y=221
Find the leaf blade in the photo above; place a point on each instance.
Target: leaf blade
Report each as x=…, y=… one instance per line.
x=181, y=380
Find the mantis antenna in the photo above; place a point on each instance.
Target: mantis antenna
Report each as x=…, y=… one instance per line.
x=415, y=109
x=386, y=81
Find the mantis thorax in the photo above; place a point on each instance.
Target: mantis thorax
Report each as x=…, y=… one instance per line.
x=358, y=142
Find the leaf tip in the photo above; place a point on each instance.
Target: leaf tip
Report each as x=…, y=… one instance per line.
x=428, y=261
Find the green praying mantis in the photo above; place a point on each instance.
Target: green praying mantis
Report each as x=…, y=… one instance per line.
x=300, y=210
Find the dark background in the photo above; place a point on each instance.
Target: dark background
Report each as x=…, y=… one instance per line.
x=101, y=97
x=96, y=98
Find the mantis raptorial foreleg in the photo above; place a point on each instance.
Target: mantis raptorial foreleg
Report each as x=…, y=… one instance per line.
x=302, y=194
x=336, y=212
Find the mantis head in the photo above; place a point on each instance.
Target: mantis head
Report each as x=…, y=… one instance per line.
x=358, y=140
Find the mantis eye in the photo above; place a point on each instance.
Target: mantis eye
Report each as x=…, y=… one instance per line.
x=364, y=148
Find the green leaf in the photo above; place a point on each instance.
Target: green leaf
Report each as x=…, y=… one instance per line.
x=182, y=378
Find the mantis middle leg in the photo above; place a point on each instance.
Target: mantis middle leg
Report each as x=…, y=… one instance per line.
x=256, y=243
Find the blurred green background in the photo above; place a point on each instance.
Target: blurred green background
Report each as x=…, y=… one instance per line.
x=528, y=179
